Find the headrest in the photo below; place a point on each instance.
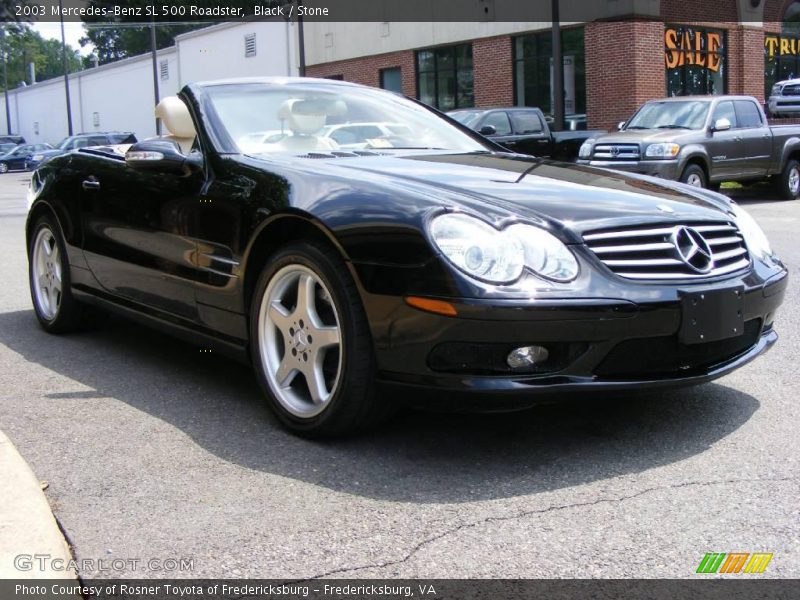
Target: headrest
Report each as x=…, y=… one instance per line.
x=175, y=117
x=310, y=107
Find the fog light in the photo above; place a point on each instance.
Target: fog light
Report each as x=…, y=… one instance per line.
x=527, y=356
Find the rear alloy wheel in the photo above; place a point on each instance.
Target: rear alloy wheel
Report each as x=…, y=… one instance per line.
x=311, y=345
x=48, y=272
x=3, y=167
x=788, y=182
x=695, y=176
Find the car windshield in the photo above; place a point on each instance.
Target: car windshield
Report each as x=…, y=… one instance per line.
x=64, y=144
x=291, y=118
x=689, y=114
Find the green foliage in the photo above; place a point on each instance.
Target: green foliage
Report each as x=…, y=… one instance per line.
x=122, y=37
x=23, y=45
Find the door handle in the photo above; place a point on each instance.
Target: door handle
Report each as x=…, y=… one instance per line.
x=90, y=184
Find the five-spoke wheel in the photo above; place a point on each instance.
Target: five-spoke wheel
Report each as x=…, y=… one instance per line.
x=300, y=340
x=311, y=345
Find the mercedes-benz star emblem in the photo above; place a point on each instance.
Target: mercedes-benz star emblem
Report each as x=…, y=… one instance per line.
x=693, y=249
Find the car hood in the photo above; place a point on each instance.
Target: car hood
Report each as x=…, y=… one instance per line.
x=648, y=136
x=568, y=197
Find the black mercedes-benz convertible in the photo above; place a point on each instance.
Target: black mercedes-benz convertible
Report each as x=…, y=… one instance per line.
x=350, y=242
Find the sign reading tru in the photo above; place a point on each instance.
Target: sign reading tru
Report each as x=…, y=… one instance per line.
x=687, y=47
x=781, y=46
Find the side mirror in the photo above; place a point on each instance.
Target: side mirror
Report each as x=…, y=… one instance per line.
x=620, y=125
x=163, y=156
x=488, y=130
x=722, y=124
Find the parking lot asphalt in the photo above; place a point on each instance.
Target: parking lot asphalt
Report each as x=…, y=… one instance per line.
x=156, y=451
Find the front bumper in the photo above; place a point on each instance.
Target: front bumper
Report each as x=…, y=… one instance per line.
x=784, y=105
x=605, y=345
x=665, y=169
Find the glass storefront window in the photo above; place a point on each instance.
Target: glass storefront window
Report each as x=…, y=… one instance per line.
x=445, y=77
x=695, y=60
x=533, y=70
x=781, y=60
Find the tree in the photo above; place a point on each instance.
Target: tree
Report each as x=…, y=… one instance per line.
x=23, y=45
x=115, y=38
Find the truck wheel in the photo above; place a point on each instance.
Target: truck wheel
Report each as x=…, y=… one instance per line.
x=695, y=176
x=787, y=185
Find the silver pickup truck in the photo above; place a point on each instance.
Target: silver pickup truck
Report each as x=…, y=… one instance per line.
x=702, y=141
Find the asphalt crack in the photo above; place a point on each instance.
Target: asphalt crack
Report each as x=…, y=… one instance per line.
x=528, y=513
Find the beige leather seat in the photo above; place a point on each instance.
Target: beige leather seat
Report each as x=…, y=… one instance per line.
x=304, y=119
x=176, y=119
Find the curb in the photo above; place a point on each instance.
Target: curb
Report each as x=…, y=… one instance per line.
x=27, y=525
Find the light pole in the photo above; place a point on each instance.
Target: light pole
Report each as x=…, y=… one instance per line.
x=154, y=54
x=5, y=77
x=66, y=71
x=558, y=70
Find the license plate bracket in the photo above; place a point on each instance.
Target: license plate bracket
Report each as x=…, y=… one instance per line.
x=711, y=315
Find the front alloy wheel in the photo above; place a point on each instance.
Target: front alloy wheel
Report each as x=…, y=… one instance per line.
x=311, y=345
x=301, y=341
x=3, y=167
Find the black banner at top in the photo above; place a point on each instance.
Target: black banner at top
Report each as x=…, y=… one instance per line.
x=194, y=11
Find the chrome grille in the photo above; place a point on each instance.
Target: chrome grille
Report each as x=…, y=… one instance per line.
x=650, y=252
x=791, y=90
x=617, y=151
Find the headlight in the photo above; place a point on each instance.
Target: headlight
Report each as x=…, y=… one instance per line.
x=37, y=157
x=585, y=151
x=483, y=252
x=662, y=150
x=754, y=237
x=776, y=90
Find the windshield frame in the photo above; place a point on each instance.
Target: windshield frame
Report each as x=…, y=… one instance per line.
x=200, y=104
x=631, y=124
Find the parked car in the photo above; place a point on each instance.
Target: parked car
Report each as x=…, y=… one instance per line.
x=784, y=99
x=81, y=140
x=12, y=139
x=524, y=130
x=7, y=146
x=448, y=271
x=15, y=158
x=702, y=141
x=574, y=122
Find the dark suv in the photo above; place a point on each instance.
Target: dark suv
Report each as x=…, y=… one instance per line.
x=81, y=140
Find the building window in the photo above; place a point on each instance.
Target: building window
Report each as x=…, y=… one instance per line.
x=164, y=68
x=782, y=52
x=392, y=79
x=335, y=77
x=445, y=77
x=250, y=45
x=695, y=60
x=533, y=71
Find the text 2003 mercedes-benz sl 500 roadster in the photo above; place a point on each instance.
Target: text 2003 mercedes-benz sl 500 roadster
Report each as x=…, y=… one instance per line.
x=348, y=241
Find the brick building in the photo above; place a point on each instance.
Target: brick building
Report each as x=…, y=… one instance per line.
x=624, y=53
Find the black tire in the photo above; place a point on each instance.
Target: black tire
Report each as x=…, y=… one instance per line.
x=787, y=184
x=694, y=173
x=352, y=405
x=68, y=316
x=3, y=167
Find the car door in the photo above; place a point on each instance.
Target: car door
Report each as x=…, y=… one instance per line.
x=531, y=135
x=137, y=229
x=503, y=134
x=756, y=139
x=725, y=148
x=16, y=158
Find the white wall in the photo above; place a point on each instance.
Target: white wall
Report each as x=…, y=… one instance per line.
x=218, y=52
x=122, y=92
